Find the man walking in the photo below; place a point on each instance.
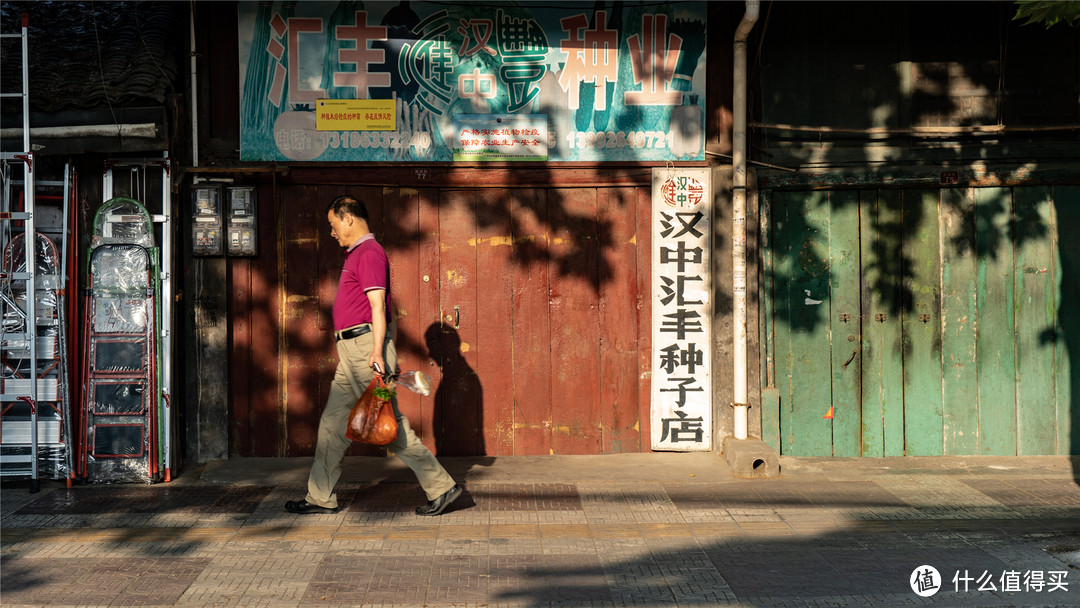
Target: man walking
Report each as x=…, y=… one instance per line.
x=364, y=344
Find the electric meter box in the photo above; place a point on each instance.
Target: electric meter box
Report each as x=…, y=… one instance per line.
x=206, y=225
x=240, y=231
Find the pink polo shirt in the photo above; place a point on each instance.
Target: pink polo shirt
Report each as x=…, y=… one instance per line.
x=366, y=267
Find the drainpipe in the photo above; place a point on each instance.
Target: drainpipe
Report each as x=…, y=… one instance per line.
x=194, y=95
x=738, y=216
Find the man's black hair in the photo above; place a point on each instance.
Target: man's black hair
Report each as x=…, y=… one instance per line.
x=347, y=204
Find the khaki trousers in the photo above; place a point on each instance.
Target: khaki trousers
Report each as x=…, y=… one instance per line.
x=351, y=378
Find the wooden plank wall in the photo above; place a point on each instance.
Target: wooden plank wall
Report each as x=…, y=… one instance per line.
x=1034, y=296
x=960, y=414
x=921, y=328
x=968, y=320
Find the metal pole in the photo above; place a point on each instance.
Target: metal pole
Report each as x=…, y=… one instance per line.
x=166, y=310
x=738, y=218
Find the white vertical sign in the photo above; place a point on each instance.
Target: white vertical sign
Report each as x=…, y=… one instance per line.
x=681, y=411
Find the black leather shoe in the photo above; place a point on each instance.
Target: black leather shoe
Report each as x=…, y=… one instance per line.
x=434, y=507
x=303, y=506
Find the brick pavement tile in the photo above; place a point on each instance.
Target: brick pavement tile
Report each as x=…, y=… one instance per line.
x=587, y=595
x=78, y=521
x=514, y=546
x=11, y=520
x=468, y=518
x=413, y=546
x=465, y=531
x=655, y=594
x=458, y=578
x=615, y=530
x=694, y=496
x=261, y=533
x=404, y=532
x=358, y=533
x=556, y=497
x=561, y=517
x=698, y=518
x=514, y=531
x=200, y=595
x=814, y=514
x=462, y=546
x=1019, y=492
x=617, y=550
x=503, y=497
x=513, y=517
x=150, y=581
x=608, y=517
x=766, y=528
x=564, y=530
x=568, y=546
x=665, y=530
x=368, y=519
x=658, y=516
x=814, y=528
x=405, y=587
x=752, y=516
x=208, y=535
x=32, y=580
x=13, y=536
x=716, y=529
x=341, y=578
x=677, y=558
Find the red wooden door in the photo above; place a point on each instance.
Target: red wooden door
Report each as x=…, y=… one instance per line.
x=528, y=307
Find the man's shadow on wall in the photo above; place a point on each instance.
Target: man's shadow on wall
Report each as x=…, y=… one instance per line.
x=458, y=424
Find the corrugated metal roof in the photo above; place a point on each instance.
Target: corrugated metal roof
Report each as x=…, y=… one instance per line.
x=90, y=55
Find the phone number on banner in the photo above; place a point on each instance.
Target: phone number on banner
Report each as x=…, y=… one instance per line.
x=619, y=139
x=394, y=140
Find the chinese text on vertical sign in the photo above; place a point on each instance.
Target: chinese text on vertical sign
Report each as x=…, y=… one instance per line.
x=681, y=310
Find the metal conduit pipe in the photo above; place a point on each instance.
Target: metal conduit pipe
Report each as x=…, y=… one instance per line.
x=738, y=217
x=194, y=93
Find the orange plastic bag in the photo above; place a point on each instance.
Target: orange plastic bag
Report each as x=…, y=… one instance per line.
x=372, y=419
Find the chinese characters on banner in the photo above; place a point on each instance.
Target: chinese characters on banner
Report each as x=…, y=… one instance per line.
x=614, y=81
x=681, y=310
x=500, y=137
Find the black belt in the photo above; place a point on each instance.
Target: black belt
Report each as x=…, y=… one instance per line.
x=352, y=332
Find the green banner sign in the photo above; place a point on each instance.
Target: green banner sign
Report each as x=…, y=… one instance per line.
x=615, y=81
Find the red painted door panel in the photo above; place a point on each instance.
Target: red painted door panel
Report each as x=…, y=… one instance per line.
x=527, y=307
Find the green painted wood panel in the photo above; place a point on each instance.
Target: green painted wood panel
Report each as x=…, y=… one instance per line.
x=978, y=292
x=960, y=410
x=770, y=403
x=1065, y=228
x=844, y=322
x=784, y=204
x=921, y=294
x=803, y=278
x=995, y=341
x=1033, y=276
x=881, y=226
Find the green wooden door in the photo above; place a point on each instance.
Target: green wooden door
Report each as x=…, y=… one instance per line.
x=923, y=322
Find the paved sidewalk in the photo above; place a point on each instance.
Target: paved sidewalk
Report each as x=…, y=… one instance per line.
x=631, y=530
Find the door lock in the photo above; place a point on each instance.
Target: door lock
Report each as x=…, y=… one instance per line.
x=455, y=319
